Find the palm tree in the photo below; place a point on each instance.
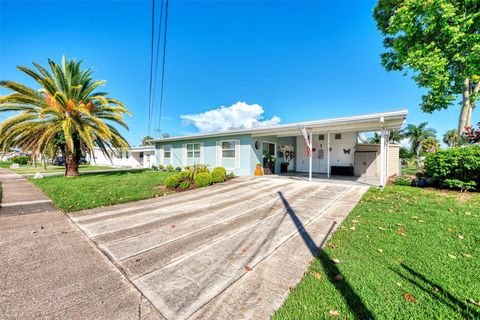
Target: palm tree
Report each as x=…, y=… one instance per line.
x=450, y=138
x=394, y=137
x=417, y=134
x=430, y=144
x=146, y=141
x=66, y=114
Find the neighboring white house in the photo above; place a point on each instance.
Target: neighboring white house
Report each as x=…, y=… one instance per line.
x=136, y=157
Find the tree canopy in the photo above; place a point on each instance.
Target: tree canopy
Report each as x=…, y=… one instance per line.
x=66, y=114
x=439, y=40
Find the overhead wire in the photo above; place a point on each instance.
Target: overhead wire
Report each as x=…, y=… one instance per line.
x=150, y=107
x=156, y=59
x=163, y=66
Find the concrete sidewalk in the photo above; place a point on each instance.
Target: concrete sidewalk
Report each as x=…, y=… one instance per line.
x=50, y=270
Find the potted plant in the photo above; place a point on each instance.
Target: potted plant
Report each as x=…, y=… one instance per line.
x=259, y=169
x=284, y=167
x=269, y=163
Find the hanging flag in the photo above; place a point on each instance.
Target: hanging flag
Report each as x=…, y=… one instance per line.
x=306, y=140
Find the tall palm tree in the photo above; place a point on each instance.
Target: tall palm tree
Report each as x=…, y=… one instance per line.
x=417, y=134
x=66, y=114
x=394, y=137
x=450, y=138
x=430, y=144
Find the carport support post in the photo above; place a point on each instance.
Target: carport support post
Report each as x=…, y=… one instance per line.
x=328, y=155
x=382, y=157
x=310, y=158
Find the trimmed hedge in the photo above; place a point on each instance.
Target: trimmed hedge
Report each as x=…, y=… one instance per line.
x=185, y=185
x=202, y=179
x=456, y=168
x=184, y=175
x=221, y=169
x=218, y=176
x=173, y=181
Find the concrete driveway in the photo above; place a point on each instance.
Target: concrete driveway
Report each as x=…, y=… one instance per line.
x=232, y=250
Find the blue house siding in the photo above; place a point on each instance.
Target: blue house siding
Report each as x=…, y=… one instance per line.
x=210, y=153
x=257, y=155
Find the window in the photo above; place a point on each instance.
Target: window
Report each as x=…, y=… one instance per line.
x=127, y=155
x=193, y=150
x=269, y=148
x=167, y=151
x=338, y=136
x=141, y=155
x=228, y=149
x=321, y=137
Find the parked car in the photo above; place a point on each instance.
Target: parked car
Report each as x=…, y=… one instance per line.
x=58, y=161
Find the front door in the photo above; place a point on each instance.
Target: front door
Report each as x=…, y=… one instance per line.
x=365, y=164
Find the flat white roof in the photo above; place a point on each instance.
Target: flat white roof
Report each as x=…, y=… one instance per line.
x=392, y=120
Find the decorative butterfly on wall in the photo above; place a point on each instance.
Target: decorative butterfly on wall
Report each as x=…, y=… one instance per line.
x=346, y=151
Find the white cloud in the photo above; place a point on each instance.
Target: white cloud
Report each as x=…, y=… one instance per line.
x=240, y=115
x=405, y=143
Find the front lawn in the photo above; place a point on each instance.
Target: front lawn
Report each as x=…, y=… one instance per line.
x=404, y=253
x=28, y=169
x=102, y=189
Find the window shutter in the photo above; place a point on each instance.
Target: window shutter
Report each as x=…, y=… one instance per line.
x=237, y=154
x=202, y=154
x=184, y=155
x=219, y=154
x=162, y=155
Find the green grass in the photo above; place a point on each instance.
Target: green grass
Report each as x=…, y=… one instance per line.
x=410, y=170
x=102, y=189
x=423, y=243
x=51, y=169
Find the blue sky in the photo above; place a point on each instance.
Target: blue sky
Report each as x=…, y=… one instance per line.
x=297, y=60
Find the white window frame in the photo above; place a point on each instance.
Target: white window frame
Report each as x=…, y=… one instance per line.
x=275, y=145
x=194, y=151
x=234, y=149
x=169, y=159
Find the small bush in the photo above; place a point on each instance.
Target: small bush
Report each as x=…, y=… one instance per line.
x=184, y=175
x=178, y=169
x=457, y=168
x=202, y=179
x=231, y=175
x=403, y=181
x=154, y=168
x=20, y=159
x=172, y=181
x=170, y=168
x=161, y=167
x=221, y=169
x=185, y=185
x=218, y=176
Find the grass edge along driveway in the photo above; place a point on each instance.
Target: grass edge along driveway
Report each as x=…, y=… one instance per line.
x=102, y=189
x=404, y=253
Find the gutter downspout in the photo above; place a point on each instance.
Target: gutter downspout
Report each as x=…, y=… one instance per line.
x=382, y=152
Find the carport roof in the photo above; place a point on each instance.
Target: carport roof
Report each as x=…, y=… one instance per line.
x=392, y=120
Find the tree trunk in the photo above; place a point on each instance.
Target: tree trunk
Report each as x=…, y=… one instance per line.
x=465, y=113
x=34, y=160
x=71, y=163
x=44, y=163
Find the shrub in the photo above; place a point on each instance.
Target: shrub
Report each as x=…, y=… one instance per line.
x=185, y=185
x=202, y=179
x=154, y=168
x=184, y=175
x=218, y=176
x=178, y=169
x=457, y=168
x=20, y=159
x=169, y=168
x=221, y=169
x=403, y=181
x=161, y=167
x=231, y=175
x=173, y=181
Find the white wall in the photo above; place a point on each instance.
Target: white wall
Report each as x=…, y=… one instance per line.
x=337, y=155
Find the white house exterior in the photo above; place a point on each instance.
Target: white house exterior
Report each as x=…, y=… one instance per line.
x=334, y=142
x=136, y=157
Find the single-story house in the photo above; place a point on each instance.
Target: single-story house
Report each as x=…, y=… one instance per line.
x=336, y=148
x=136, y=157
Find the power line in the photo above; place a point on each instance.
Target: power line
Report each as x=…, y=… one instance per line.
x=156, y=59
x=163, y=65
x=150, y=108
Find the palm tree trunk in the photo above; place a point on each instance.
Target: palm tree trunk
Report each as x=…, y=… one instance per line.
x=71, y=164
x=44, y=163
x=34, y=159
